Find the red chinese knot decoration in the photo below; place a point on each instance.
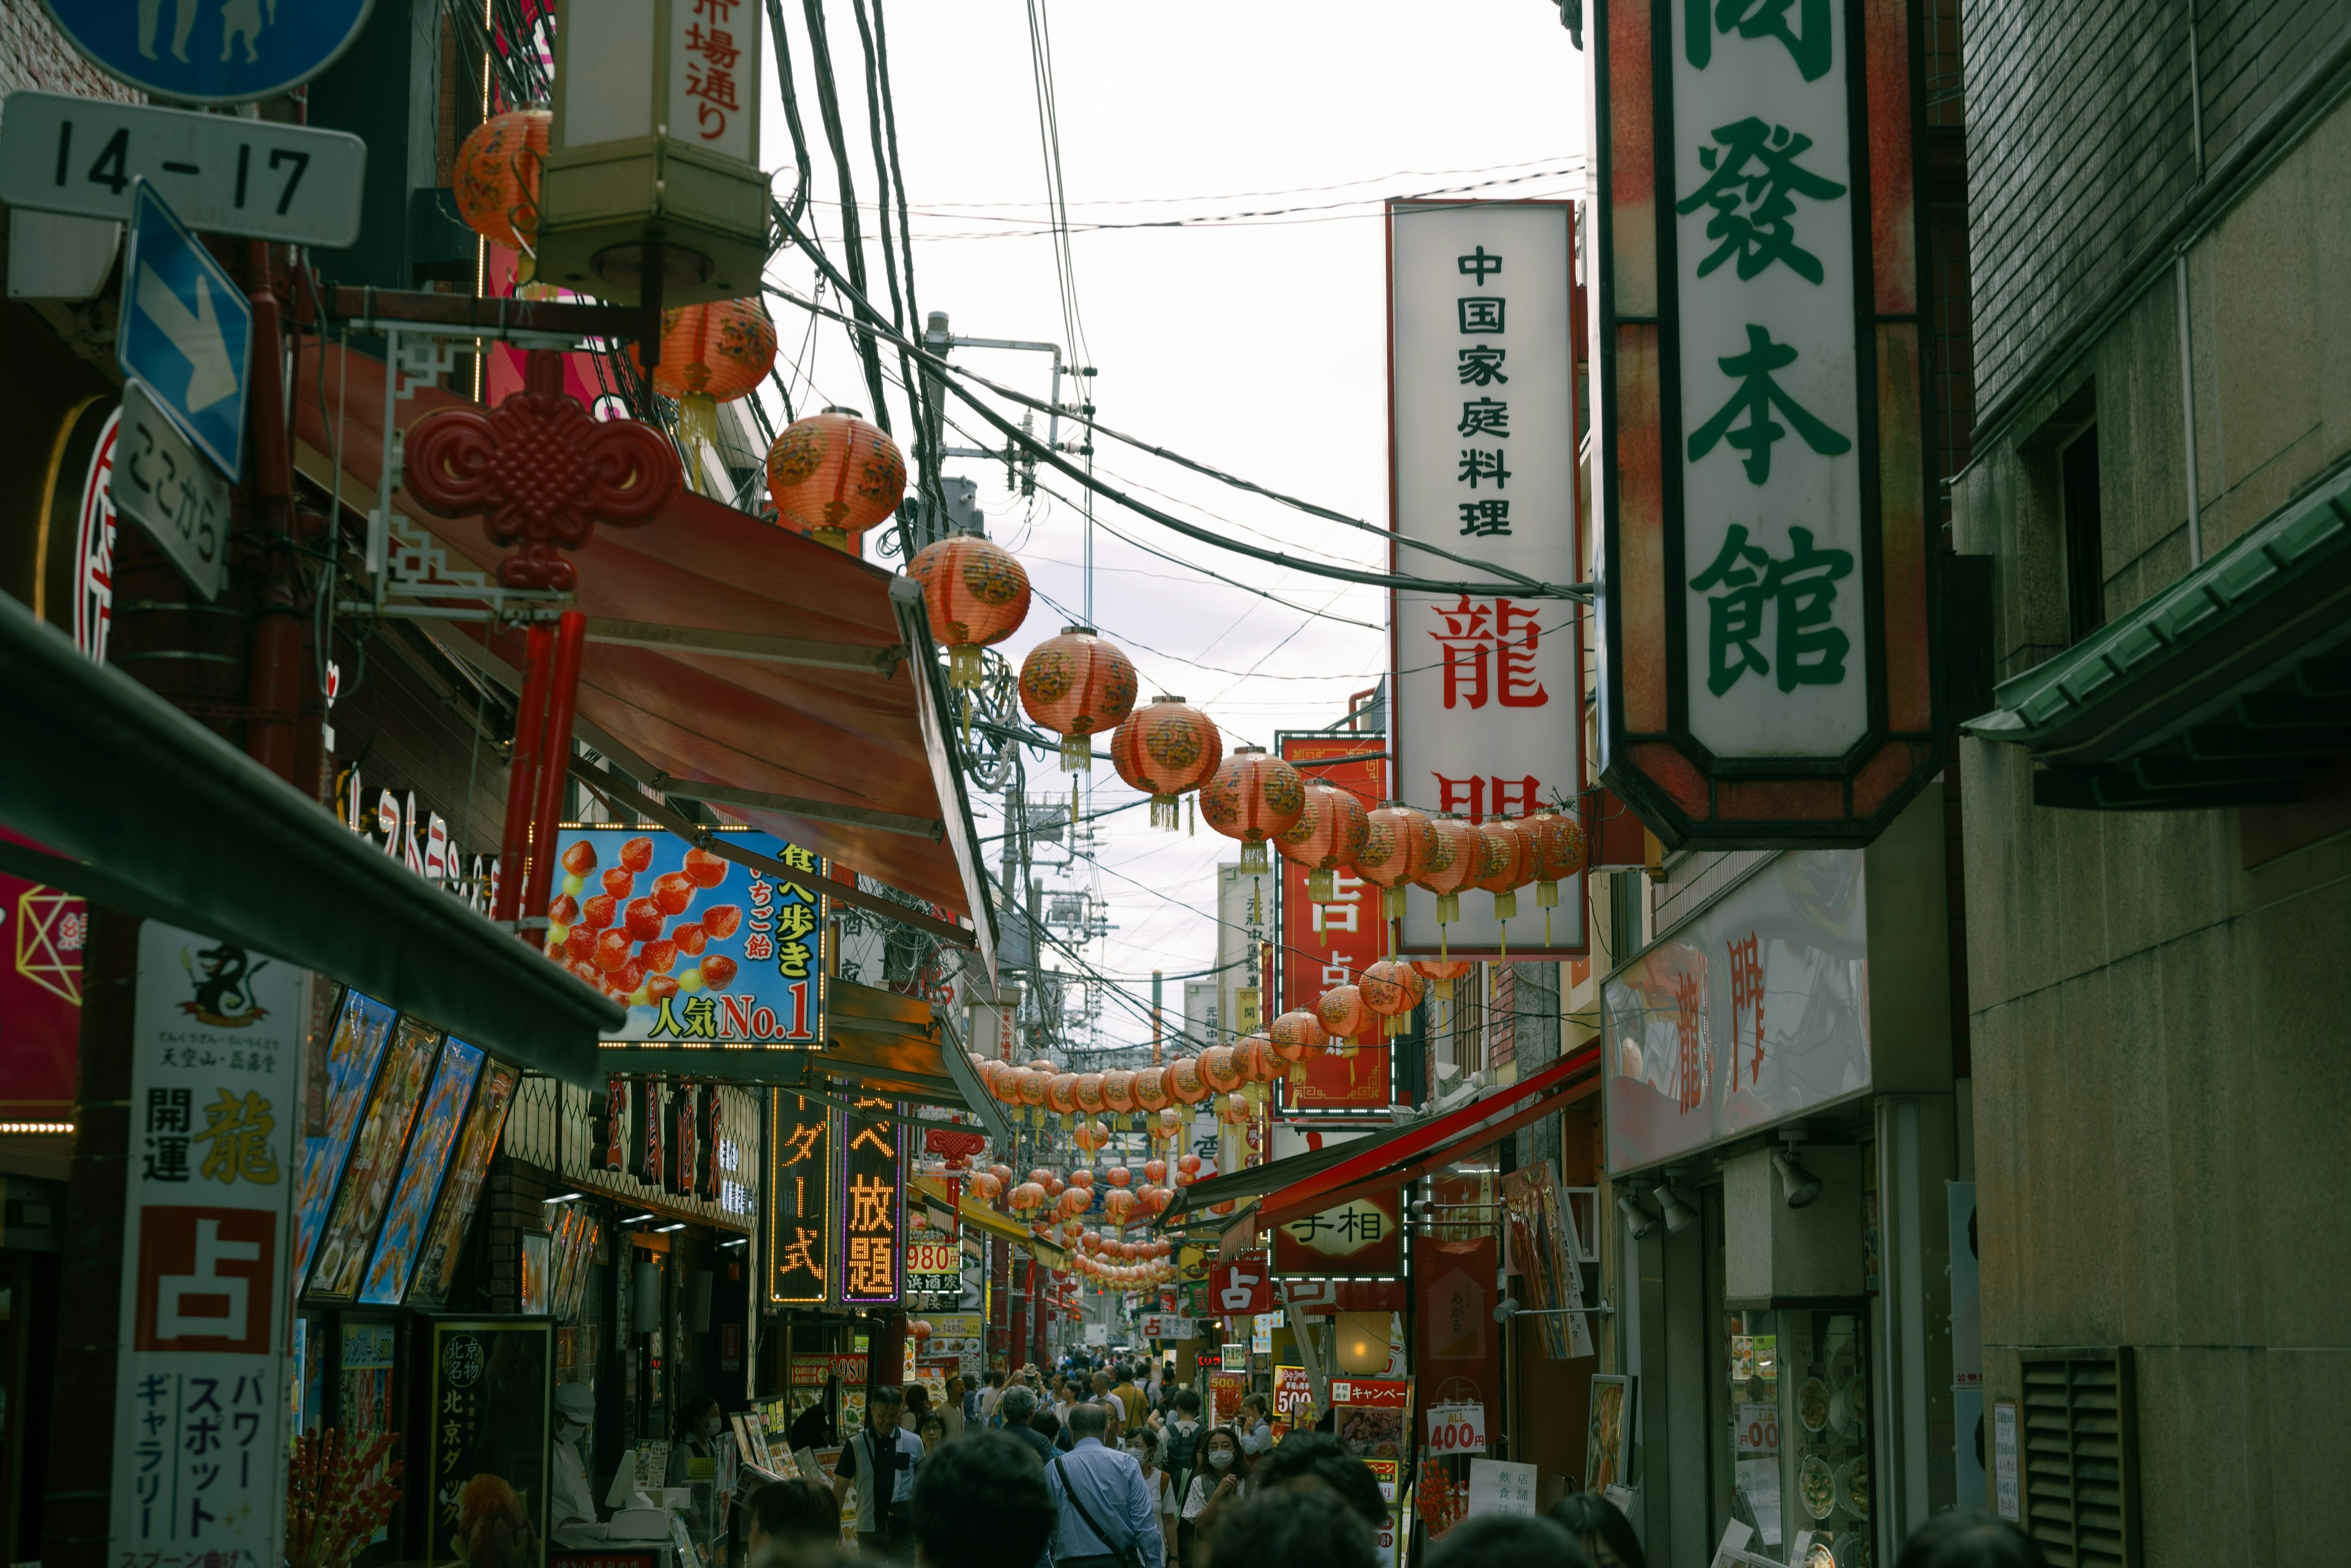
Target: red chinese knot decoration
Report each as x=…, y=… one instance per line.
x=540, y=470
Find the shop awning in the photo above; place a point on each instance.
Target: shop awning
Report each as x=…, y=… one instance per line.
x=977, y=1214
x=2232, y=687
x=1325, y=1178
x=148, y=811
x=782, y=682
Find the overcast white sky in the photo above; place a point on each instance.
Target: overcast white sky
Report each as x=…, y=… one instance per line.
x=1256, y=345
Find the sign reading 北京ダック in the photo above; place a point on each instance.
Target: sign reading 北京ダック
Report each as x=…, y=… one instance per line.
x=1762, y=474
x=1482, y=404
x=199, y=1449
x=210, y=51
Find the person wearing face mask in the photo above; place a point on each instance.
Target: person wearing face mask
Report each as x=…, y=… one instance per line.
x=570, y=1497
x=1222, y=1482
x=1158, y=1484
x=694, y=1457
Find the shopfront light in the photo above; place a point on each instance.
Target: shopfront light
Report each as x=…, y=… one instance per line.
x=564, y=1197
x=1639, y=1223
x=1678, y=1216
x=1800, y=1185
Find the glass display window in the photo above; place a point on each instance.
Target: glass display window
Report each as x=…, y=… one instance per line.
x=1799, y=1438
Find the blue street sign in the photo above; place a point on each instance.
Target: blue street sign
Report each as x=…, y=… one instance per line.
x=210, y=51
x=186, y=330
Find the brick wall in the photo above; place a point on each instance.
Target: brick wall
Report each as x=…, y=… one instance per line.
x=32, y=55
x=2082, y=142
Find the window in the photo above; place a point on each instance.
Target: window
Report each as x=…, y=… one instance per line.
x=2080, y=1457
x=2085, y=578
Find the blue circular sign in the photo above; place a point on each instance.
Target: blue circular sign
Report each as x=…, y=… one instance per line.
x=210, y=51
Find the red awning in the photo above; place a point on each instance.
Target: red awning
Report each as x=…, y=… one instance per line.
x=1315, y=1182
x=721, y=651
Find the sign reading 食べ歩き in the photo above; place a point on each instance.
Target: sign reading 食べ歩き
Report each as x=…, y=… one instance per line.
x=703, y=950
x=1764, y=472
x=1482, y=413
x=199, y=1453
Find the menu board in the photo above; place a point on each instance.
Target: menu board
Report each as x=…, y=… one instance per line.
x=375, y=1161
x=420, y=1181
x=488, y=1382
x=353, y=1054
x=438, y=1271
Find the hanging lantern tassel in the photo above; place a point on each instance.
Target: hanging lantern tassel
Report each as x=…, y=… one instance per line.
x=1546, y=900
x=1192, y=815
x=1166, y=812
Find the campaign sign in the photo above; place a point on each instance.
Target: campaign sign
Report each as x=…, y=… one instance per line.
x=210, y=51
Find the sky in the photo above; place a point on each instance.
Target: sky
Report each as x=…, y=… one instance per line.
x=1253, y=343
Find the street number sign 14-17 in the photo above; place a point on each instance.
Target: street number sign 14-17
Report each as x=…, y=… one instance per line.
x=210, y=51
x=221, y=174
x=1763, y=479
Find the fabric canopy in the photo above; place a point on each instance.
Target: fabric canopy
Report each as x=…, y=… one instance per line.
x=722, y=651
x=149, y=812
x=1325, y=1178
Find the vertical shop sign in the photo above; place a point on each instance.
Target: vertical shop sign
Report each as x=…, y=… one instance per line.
x=800, y=1207
x=489, y=1382
x=1461, y=1349
x=645, y=1149
x=1332, y=944
x=1488, y=716
x=872, y=1204
x=199, y=1399
x=709, y=1134
x=1763, y=469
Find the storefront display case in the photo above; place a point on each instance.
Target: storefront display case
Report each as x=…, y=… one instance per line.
x=1798, y=1438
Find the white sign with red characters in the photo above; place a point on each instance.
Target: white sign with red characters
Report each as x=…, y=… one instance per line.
x=1457, y=1429
x=1488, y=719
x=200, y=1400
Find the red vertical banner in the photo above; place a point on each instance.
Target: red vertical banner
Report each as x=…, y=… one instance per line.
x=1460, y=1353
x=1333, y=943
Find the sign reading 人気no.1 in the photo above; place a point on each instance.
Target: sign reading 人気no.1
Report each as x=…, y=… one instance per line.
x=1487, y=720
x=1762, y=470
x=199, y=1399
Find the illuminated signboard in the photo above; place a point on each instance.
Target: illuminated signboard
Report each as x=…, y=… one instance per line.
x=1333, y=943
x=799, y=1189
x=872, y=1204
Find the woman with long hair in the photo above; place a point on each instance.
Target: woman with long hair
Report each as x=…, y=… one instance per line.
x=1225, y=1476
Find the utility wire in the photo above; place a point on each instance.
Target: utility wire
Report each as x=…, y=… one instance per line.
x=797, y=201
x=853, y=242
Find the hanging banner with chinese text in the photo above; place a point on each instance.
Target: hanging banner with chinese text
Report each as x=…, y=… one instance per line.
x=1488, y=716
x=488, y=1388
x=702, y=951
x=1363, y=1238
x=199, y=1452
x=800, y=1207
x=873, y=1180
x=1327, y=945
x=1763, y=476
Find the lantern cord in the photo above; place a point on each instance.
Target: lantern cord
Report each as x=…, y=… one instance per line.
x=853, y=240
x=797, y=201
x=956, y=375
x=925, y=398
x=901, y=304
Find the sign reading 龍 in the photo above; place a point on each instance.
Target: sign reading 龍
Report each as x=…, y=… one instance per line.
x=1762, y=474
x=1482, y=406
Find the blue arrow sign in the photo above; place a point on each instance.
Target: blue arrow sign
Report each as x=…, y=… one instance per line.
x=186, y=330
x=210, y=51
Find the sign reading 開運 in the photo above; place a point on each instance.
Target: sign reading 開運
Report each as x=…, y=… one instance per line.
x=1483, y=431
x=1762, y=470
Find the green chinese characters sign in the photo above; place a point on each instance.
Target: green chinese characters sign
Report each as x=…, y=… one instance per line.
x=715, y=948
x=1763, y=473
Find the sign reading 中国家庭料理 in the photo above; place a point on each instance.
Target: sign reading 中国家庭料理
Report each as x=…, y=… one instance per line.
x=1482, y=410
x=1763, y=465
x=199, y=1454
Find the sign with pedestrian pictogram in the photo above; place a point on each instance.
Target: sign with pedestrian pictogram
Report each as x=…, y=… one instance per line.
x=210, y=51
x=199, y=1449
x=221, y=174
x=1762, y=473
x=186, y=330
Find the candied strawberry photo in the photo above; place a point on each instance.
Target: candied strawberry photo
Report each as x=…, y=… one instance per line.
x=620, y=883
x=580, y=944
x=706, y=869
x=718, y=971
x=564, y=910
x=659, y=988
x=689, y=937
x=722, y=920
x=644, y=919
x=579, y=859
x=637, y=854
x=674, y=891
x=597, y=913
x=661, y=957
x=612, y=949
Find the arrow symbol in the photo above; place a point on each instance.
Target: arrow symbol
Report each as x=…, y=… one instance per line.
x=196, y=334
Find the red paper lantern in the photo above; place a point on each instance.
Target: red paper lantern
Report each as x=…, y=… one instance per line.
x=1027, y=1198
x=833, y=475
x=1118, y=1091
x=1036, y=1087
x=1155, y=1171
x=1082, y=1178
x=1330, y=833
x=918, y=1330
x=1188, y=1164
x=1119, y=1176
x=1219, y=1071
x=1558, y=851
x=711, y=354
x=1441, y=968
x=1504, y=866
x=1342, y=1015
x=1452, y=868
x=1089, y=1093
x=976, y=593
x=1002, y=1173
x=1391, y=989
x=1077, y=685
x=496, y=180
x=1172, y=1124
x=1235, y=1109
x=1164, y=749
x=1298, y=1038
x=1118, y=1205
x=986, y=1188
x=1151, y=1095
x=1397, y=844
x=1253, y=796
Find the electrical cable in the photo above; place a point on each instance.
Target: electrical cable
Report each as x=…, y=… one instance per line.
x=925, y=397
x=797, y=201
x=852, y=243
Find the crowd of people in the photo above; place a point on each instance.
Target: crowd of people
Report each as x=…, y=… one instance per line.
x=1114, y=1469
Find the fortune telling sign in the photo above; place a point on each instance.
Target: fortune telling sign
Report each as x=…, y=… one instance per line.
x=1482, y=413
x=1762, y=473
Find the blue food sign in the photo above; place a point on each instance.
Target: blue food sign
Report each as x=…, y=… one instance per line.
x=702, y=949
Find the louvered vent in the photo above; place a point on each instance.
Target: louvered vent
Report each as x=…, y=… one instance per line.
x=2080, y=1459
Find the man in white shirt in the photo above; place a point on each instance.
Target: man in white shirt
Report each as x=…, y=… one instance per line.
x=880, y=1459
